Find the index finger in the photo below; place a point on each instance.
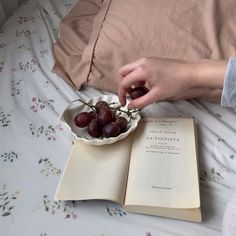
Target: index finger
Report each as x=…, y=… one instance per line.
x=126, y=82
x=128, y=68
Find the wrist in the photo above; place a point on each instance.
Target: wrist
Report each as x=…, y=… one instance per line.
x=209, y=73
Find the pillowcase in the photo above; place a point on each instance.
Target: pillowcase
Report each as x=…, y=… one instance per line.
x=124, y=31
x=75, y=32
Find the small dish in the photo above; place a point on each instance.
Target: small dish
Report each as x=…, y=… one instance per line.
x=77, y=106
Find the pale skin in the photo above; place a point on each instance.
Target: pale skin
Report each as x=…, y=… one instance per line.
x=172, y=79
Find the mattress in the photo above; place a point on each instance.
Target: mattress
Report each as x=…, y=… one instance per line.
x=34, y=145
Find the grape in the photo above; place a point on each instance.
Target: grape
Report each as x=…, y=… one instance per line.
x=139, y=84
x=122, y=122
x=111, y=129
x=105, y=116
x=137, y=92
x=93, y=114
x=103, y=119
x=101, y=104
x=82, y=119
x=94, y=129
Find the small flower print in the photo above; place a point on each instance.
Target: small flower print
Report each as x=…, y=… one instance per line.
x=9, y=156
x=4, y=118
x=67, y=207
x=148, y=234
x=50, y=206
x=25, y=33
x=39, y=104
x=68, y=6
x=23, y=48
x=2, y=64
x=2, y=45
x=49, y=132
x=30, y=66
x=55, y=31
x=6, y=199
x=232, y=156
x=23, y=19
x=219, y=139
x=48, y=167
x=2, y=29
x=44, y=52
x=115, y=211
x=42, y=41
x=71, y=215
x=15, y=87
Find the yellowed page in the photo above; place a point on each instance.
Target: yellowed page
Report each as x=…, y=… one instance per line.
x=96, y=172
x=163, y=168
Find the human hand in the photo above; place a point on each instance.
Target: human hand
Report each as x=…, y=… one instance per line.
x=171, y=79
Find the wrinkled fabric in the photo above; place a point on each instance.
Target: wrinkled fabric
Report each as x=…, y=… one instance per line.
x=124, y=31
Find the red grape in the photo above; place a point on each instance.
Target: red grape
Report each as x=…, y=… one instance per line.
x=82, y=119
x=100, y=105
x=111, y=129
x=94, y=129
x=105, y=120
x=105, y=116
x=93, y=114
x=137, y=92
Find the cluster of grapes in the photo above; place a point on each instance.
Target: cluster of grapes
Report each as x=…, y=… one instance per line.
x=104, y=120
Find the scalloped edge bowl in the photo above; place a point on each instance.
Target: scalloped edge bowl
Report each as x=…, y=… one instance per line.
x=75, y=107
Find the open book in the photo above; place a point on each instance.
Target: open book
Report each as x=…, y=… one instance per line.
x=152, y=171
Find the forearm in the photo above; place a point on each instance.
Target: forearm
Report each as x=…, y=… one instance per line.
x=209, y=73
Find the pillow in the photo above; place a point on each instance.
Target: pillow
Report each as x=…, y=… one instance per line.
x=75, y=31
x=124, y=31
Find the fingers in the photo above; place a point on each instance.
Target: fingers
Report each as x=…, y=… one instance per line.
x=128, y=68
x=144, y=100
x=136, y=76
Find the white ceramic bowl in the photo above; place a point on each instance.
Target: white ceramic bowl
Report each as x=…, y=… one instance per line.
x=73, y=108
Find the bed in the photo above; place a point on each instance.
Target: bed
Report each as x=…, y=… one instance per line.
x=34, y=145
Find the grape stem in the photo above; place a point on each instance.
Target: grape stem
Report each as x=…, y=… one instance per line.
x=129, y=112
x=85, y=103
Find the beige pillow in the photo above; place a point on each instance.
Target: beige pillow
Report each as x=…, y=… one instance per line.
x=124, y=31
x=75, y=32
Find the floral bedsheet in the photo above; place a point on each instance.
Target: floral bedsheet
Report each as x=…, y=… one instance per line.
x=34, y=146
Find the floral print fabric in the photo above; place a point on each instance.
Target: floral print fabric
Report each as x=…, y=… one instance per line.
x=34, y=145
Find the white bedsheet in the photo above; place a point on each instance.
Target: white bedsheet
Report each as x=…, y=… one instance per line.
x=34, y=146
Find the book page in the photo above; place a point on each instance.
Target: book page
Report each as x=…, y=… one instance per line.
x=96, y=172
x=163, y=167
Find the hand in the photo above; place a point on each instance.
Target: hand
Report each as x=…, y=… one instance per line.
x=172, y=79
